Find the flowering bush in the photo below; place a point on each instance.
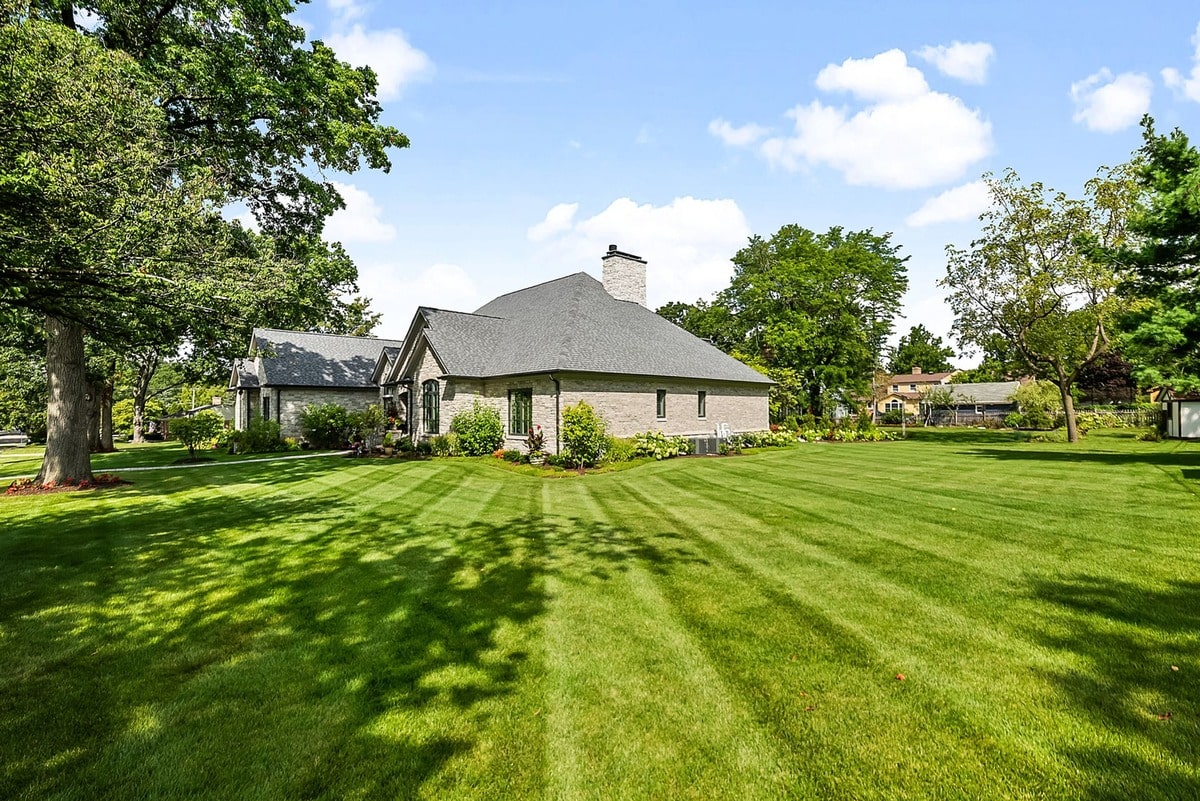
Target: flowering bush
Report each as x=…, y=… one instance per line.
x=536, y=441
x=660, y=446
x=764, y=439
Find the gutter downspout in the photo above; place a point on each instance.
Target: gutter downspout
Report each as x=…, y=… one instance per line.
x=557, y=415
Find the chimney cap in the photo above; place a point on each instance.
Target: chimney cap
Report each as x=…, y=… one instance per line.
x=613, y=252
x=612, y=248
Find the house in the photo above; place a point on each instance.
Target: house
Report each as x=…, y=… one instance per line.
x=1180, y=415
x=974, y=404
x=531, y=353
x=905, y=390
x=289, y=370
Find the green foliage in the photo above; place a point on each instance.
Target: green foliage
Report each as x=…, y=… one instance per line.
x=618, y=449
x=1037, y=278
x=764, y=439
x=535, y=442
x=583, y=434
x=480, y=429
x=1014, y=420
x=198, y=430
x=122, y=412
x=920, y=348
x=260, y=436
x=818, y=306
x=23, y=390
x=848, y=434
x=1040, y=403
x=513, y=456
x=660, y=446
x=446, y=445
x=367, y=423
x=423, y=447
x=1161, y=333
x=326, y=425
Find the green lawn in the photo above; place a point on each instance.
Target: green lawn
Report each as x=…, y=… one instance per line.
x=699, y=628
x=26, y=461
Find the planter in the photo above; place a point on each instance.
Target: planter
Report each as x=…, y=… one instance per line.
x=388, y=451
x=537, y=458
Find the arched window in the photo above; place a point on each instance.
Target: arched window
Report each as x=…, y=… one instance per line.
x=429, y=405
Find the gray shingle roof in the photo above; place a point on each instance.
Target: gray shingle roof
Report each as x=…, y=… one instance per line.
x=244, y=375
x=300, y=359
x=571, y=324
x=990, y=392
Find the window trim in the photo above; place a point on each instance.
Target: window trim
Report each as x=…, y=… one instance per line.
x=431, y=403
x=702, y=404
x=660, y=404
x=524, y=394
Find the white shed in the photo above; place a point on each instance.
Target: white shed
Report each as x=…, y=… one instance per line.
x=1181, y=416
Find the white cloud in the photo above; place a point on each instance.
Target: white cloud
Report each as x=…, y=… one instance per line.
x=1107, y=103
x=737, y=137
x=917, y=142
x=344, y=11
x=395, y=61
x=360, y=221
x=966, y=61
x=964, y=202
x=886, y=76
x=397, y=290
x=558, y=219
x=906, y=135
x=1188, y=87
x=446, y=286
x=688, y=243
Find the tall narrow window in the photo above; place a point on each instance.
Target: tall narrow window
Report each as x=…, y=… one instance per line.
x=266, y=407
x=520, y=411
x=702, y=404
x=662, y=404
x=429, y=406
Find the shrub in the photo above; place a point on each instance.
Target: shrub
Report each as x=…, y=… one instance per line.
x=729, y=447
x=326, y=425
x=892, y=417
x=618, y=449
x=765, y=439
x=1014, y=420
x=556, y=459
x=512, y=455
x=1041, y=404
x=582, y=434
x=197, y=430
x=405, y=445
x=444, y=445
x=660, y=446
x=424, y=447
x=479, y=429
x=367, y=423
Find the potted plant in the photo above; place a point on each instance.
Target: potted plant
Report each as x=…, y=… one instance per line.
x=389, y=444
x=536, y=443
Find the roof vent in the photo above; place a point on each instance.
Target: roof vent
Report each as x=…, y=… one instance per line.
x=624, y=275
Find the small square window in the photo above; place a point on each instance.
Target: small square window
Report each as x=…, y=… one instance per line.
x=662, y=403
x=912, y=387
x=702, y=404
x=895, y=387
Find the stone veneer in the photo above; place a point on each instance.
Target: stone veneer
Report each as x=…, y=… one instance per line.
x=624, y=276
x=627, y=403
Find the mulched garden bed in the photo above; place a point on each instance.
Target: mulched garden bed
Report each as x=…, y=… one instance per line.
x=27, y=486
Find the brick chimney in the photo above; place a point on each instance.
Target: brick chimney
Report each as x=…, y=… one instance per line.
x=624, y=275
x=916, y=371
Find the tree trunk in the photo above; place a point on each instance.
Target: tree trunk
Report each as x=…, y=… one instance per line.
x=106, y=423
x=1068, y=403
x=93, y=397
x=67, y=453
x=147, y=365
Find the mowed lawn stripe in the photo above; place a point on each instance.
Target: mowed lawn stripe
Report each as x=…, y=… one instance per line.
x=636, y=709
x=855, y=686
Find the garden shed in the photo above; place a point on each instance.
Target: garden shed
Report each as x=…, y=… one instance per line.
x=1181, y=416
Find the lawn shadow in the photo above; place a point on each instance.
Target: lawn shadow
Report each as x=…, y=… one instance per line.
x=277, y=644
x=1142, y=650
x=1179, y=459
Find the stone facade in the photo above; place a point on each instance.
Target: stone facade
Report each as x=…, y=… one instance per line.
x=624, y=276
x=287, y=403
x=629, y=404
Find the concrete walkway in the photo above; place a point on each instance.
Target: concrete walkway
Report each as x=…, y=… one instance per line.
x=122, y=470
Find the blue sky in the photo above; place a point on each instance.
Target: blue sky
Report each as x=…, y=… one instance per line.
x=543, y=132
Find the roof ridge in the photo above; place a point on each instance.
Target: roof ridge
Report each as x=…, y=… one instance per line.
x=323, y=334
x=541, y=283
x=465, y=314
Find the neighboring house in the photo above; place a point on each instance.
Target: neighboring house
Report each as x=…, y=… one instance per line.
x=905, y=390
x=972, y=404
x=289, y=370
x=533, y=352
x=1180, y=415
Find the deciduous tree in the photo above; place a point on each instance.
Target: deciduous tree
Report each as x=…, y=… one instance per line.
x=1035, y=279
x=920, y=348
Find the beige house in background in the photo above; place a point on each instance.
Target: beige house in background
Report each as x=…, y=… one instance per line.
x=905, y=390
x=533, y=352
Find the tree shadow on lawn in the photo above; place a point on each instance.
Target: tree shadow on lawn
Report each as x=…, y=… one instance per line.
x=1179, y=459
x=322, y=652
x=1129, y=639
